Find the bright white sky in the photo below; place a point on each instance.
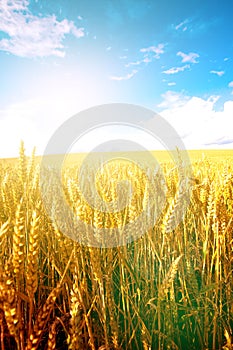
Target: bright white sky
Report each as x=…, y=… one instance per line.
x=59, y=58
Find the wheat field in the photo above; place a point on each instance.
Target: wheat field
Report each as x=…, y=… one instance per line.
x=171, y=288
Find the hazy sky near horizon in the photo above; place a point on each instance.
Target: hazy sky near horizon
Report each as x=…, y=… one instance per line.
x=58, y=58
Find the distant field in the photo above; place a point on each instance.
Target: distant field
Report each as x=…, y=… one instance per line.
x=161, y=156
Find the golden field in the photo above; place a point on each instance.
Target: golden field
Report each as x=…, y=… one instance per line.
x=171, y=288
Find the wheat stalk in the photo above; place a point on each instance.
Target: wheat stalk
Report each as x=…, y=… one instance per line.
x=169, y=278
x=42, y=319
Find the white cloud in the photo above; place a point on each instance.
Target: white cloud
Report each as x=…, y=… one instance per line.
x=230, y=84
x=136, y=63
x=197, y=121
x=149, y=54
x=175, y=70
x=172, y=83
x=35, y=121
x=125, y=77
x=172, y=99
x=146, y=60
x=219, y=73
x=30, y=35
x=156, y=50
x=190, y=57
x=139, y=62
x=182, y=25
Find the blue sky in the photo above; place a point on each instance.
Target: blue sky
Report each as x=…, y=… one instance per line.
x=60, y=57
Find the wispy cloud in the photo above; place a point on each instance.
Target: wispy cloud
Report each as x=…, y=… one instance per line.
x=136, y=63
x=147, y=55
x=139, y=62
x=175, y=70
x=219, y=73
x=155, y=50
x=30, y=35
x=190, y=57
x=221, y=141
x=182, y=25
x=125, y=77
x=172, y=83
x=172, y=99
x=230, y=84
